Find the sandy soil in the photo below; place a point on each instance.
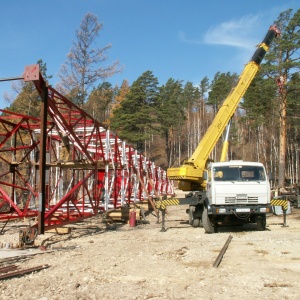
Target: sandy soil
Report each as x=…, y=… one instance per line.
x=122, y=262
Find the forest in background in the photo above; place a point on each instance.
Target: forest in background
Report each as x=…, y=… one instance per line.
x=167, y=121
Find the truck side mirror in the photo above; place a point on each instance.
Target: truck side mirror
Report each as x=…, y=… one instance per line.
x=205, y=177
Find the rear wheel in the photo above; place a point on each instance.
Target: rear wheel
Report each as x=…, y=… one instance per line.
x=195, y=215
x=196, y=223
x=261, y=222
x=191, y=214
x=207, y=225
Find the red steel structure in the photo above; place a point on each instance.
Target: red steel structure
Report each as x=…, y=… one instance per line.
x=65, y=166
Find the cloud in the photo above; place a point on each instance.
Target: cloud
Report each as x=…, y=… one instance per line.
x=234, y=33
x=184, y=39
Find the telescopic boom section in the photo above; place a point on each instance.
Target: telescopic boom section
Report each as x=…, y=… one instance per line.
x=190, y=174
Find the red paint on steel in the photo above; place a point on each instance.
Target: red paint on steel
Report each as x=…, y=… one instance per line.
x=88, y=170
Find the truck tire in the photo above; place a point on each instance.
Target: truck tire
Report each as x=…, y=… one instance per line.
x=195, y=221
x=261, y=222
x=200, y=223
x=207, y=225
x=191, y=214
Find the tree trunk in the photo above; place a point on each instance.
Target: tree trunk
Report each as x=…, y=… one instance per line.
x=282, y=142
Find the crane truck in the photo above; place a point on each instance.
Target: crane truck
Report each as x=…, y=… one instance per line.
x=226, y=192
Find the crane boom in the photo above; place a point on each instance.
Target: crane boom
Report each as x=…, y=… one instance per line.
x=190, y=174
x=225, y=142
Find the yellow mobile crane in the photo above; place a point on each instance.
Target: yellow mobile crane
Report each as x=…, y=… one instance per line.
x=190, y=174
x=212, y=200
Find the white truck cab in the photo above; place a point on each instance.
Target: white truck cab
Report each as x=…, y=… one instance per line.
x=236, y=192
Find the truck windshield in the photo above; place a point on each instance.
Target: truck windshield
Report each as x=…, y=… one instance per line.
x=239, y=173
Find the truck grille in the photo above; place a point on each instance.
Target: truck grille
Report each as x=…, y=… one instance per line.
x=241, y=200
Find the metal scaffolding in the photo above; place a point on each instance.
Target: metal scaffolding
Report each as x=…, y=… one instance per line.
x=64, y=166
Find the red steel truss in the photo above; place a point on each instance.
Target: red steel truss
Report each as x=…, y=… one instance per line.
x=88, y=169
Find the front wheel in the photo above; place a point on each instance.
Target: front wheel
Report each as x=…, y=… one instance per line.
x=207, y=225
x=261, y=222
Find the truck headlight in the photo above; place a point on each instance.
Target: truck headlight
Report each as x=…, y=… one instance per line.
x=221, y=210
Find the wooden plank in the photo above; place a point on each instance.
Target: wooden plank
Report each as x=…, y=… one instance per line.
x=122, y=213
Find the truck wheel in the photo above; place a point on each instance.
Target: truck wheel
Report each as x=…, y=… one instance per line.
x=196, y=222
x=261, y=223
x=200, y=223
x=208, y=226
x=191, y=214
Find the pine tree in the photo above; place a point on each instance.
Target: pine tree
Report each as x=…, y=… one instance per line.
x=220, y=88
x=171, y=117
x=258, y=120
x=190, y=95
x=135, y=120
x=282, y=62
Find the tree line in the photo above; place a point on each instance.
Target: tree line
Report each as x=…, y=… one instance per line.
x=166, y=122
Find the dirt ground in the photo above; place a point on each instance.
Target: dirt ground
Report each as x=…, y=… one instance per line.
x=122, y=262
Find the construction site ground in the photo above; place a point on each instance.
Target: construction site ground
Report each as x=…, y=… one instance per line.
x=116, y=261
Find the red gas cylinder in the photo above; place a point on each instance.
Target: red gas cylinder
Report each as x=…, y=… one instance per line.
x=132, y=218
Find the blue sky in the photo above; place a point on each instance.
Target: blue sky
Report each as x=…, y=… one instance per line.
x=184, y=40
